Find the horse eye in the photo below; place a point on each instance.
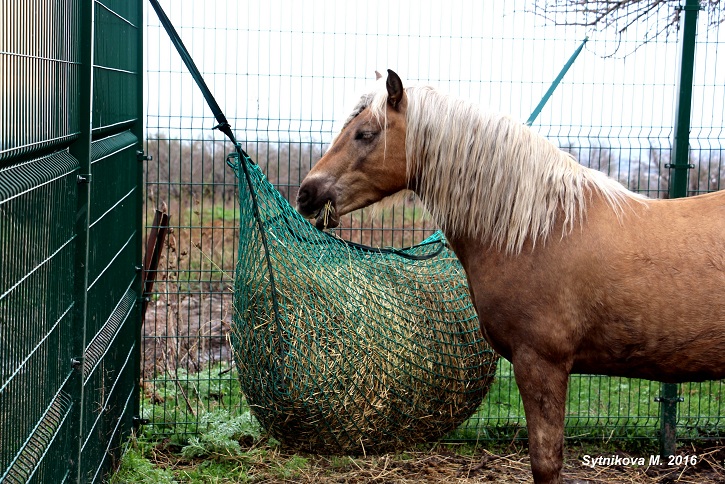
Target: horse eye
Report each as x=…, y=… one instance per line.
x=365, y=135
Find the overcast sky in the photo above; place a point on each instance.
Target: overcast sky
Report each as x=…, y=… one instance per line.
x=294, y=69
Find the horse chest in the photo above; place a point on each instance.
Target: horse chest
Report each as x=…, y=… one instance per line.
x=520, y=305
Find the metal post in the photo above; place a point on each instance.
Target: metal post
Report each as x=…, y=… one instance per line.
x=679, y=166
x=668, y=419
x=680, y=162
x=81, y=150
x=138, y=131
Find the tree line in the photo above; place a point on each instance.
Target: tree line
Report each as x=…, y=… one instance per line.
x=198, y=167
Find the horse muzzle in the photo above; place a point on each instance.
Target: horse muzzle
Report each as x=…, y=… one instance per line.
x=313, y=203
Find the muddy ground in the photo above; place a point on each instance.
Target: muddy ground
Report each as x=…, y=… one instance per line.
x=186, y=331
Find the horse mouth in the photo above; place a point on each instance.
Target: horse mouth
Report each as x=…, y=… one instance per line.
x=327, y=217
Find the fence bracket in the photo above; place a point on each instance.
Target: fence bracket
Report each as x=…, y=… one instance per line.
x=669, y=399
x=77, y=363
x=138, y=421
x=141, y=156
x=679, y=166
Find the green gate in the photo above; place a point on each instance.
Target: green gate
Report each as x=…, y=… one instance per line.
x=70, y=206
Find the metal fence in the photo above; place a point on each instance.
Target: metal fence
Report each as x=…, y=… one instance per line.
x=287, y=75
x=70, y=204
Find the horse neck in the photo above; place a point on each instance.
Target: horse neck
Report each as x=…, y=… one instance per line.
x=487, y=176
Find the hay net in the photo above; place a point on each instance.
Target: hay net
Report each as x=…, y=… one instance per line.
x=346, y=349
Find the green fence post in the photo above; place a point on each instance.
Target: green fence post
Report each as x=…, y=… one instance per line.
x=138, y=131
x=81, y=150
x=679, y=166
x=680, y=163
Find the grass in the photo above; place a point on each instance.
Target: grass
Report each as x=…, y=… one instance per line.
x=221, y=441
x=136, y=467
x=599, y=408
x=200, y=250
x=224, y=456
x=229, y=446
x=177, y=405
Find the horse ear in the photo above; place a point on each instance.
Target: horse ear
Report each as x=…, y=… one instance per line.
x=378, y=75
x=395, y=89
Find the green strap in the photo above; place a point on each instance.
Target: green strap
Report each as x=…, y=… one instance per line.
x=555, y=84
x=223, y=125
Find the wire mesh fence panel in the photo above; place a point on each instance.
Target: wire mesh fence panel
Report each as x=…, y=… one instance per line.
x=287, y=76
x=112, y=227
x=37, y=212
x=38, y=202
x=70, y=244
x=29, y=61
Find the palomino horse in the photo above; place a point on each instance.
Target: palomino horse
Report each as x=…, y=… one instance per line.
x=568, y=270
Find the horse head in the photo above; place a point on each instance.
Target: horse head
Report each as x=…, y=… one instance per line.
x=366, y=161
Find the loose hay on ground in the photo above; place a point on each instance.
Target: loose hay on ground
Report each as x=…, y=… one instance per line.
x=504, y=465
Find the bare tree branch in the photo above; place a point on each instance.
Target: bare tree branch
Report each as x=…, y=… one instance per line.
x=657, y=16
x=602, y=14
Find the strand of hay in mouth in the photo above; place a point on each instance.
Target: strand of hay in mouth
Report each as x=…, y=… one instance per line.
x=328, y=211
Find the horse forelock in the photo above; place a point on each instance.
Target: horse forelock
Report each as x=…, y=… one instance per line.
x=364, y=102
x=486, y=175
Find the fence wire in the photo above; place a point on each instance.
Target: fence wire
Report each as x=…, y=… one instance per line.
x=287, y=75
x=70, y=238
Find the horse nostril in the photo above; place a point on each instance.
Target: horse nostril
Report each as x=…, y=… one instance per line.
x=303, y=196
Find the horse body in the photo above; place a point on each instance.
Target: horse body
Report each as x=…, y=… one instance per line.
x=568, y=271
x=625, y=296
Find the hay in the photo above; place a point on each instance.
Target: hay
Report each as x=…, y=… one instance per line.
x=364, y=352
x=446, y=464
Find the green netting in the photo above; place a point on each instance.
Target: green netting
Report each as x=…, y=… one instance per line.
x=341, y=348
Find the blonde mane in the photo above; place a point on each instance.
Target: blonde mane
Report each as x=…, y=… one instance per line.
x=486, y=175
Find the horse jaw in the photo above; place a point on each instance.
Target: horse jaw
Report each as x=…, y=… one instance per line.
x=317, y=200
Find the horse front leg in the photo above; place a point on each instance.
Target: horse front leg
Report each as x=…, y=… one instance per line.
x=543, y=387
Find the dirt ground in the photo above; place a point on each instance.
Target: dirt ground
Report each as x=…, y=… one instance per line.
x=446, y=465
x=514, y=467
x=186, y=331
